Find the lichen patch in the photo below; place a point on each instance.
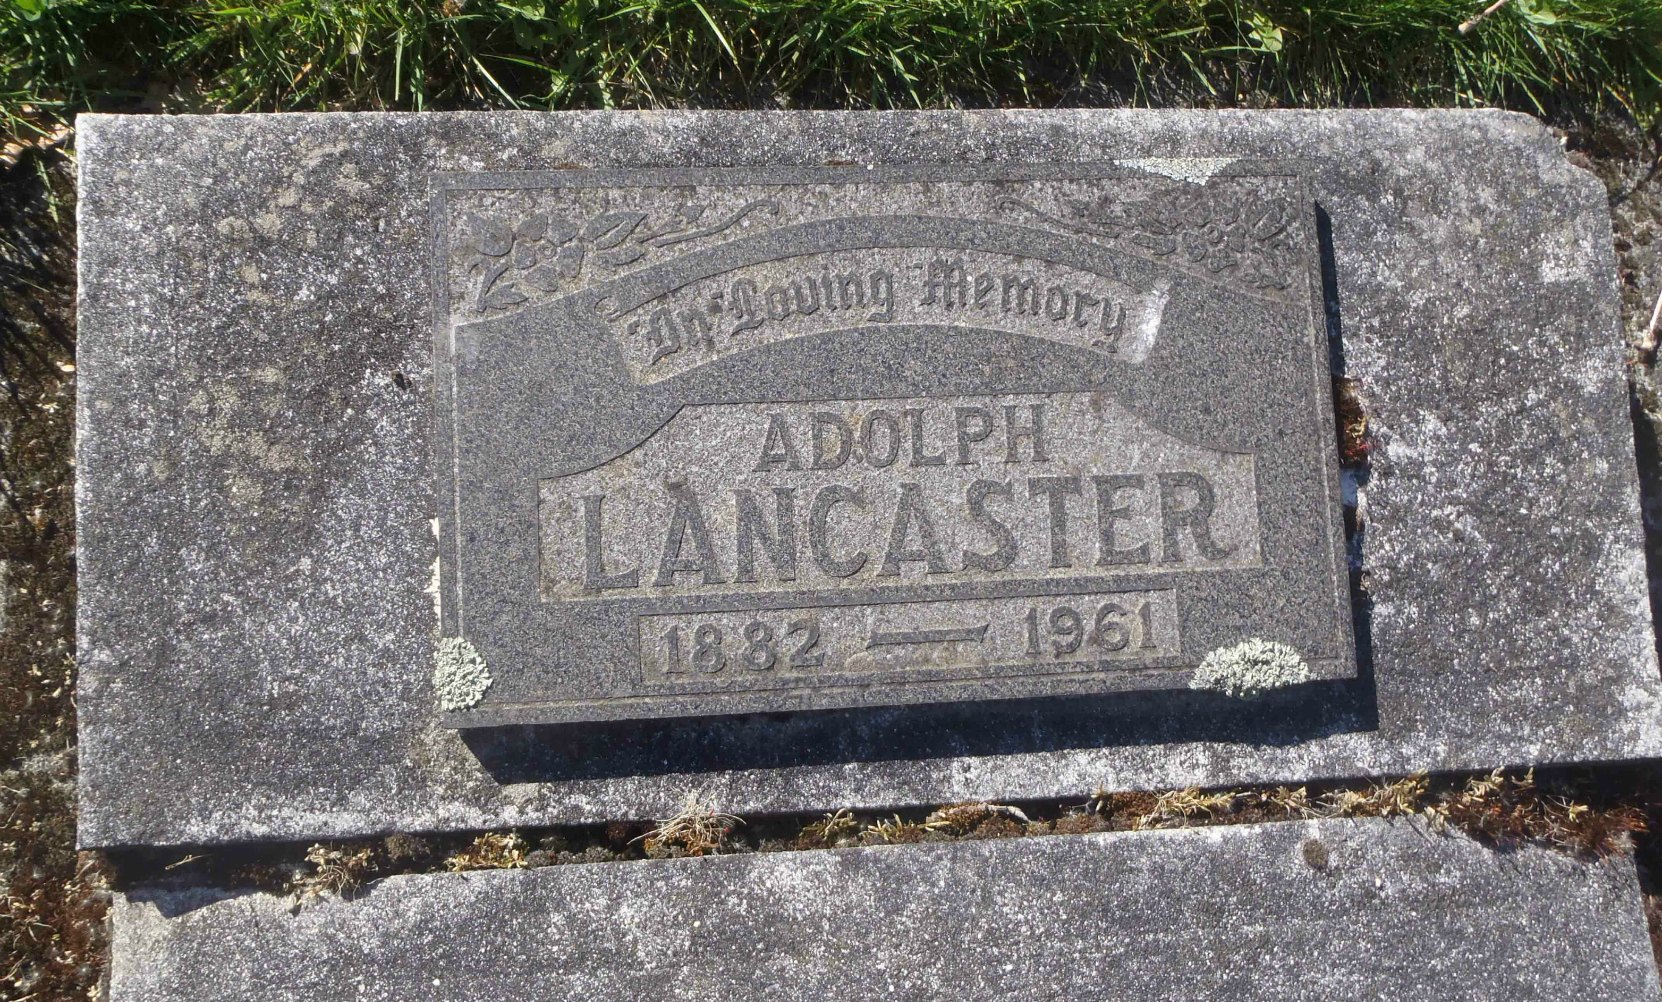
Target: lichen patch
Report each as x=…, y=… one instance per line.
x=1193, y=170
x=1251, y=668
x=460, y=675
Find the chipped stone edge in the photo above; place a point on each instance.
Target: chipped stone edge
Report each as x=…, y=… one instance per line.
x=1191, y=170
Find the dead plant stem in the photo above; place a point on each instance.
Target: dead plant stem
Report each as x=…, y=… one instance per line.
x=1476, y=19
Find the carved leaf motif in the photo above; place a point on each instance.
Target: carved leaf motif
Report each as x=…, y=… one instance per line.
x=1267, y=222
x=503, y=297
x=543, y=278
x=531, y=227
x=560, y=231
x=548, y=251
x=1156, y=222
x=1102, y=216
x=1221, y=235
x=611, y=229
x=1158, y=243
x=569, y=261
x=619, y=256
x=1241, y=233
x=491, y=239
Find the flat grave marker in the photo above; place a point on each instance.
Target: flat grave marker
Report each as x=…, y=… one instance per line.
x=462, y=471
x=720, y=441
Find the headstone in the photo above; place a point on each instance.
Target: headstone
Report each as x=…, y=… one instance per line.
x=1300, y=910
x=995, y=447
x=802, y=438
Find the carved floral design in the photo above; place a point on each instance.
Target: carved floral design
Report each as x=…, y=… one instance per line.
x=546, y=252
x=1233, y=234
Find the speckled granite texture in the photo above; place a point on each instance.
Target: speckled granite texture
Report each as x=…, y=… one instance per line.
x=1293, y=911
x=257, y=503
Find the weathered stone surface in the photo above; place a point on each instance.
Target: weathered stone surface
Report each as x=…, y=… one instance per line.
x=1299, y=910
x=263, y=467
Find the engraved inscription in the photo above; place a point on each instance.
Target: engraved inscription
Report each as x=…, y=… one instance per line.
x=911, y=640
x=777, y=300
x=775, y=497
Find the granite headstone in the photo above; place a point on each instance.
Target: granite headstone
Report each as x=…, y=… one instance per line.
x=722, y=441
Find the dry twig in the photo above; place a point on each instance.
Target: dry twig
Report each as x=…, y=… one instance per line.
x=1647, y=344
x=1476, y=19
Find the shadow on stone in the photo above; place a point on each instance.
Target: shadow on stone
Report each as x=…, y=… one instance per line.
x=1648, y=458
x=1356, y=466
x=172, y=900
x=553, y=752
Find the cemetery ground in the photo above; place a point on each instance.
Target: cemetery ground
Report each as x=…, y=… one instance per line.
x=51, y=926
x=75, y=56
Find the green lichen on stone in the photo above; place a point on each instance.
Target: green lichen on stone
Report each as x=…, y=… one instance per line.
x=1250, y=668
x=460, y=675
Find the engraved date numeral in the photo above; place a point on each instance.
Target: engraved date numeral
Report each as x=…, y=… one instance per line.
x=804, y=656
x=1112, y=628
x=760, y=647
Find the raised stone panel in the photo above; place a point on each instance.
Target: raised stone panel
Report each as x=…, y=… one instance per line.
x=816, y=438
x=659, y=425
x=1292, y=911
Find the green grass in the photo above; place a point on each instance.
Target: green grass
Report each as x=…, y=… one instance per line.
x=1563, y=57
